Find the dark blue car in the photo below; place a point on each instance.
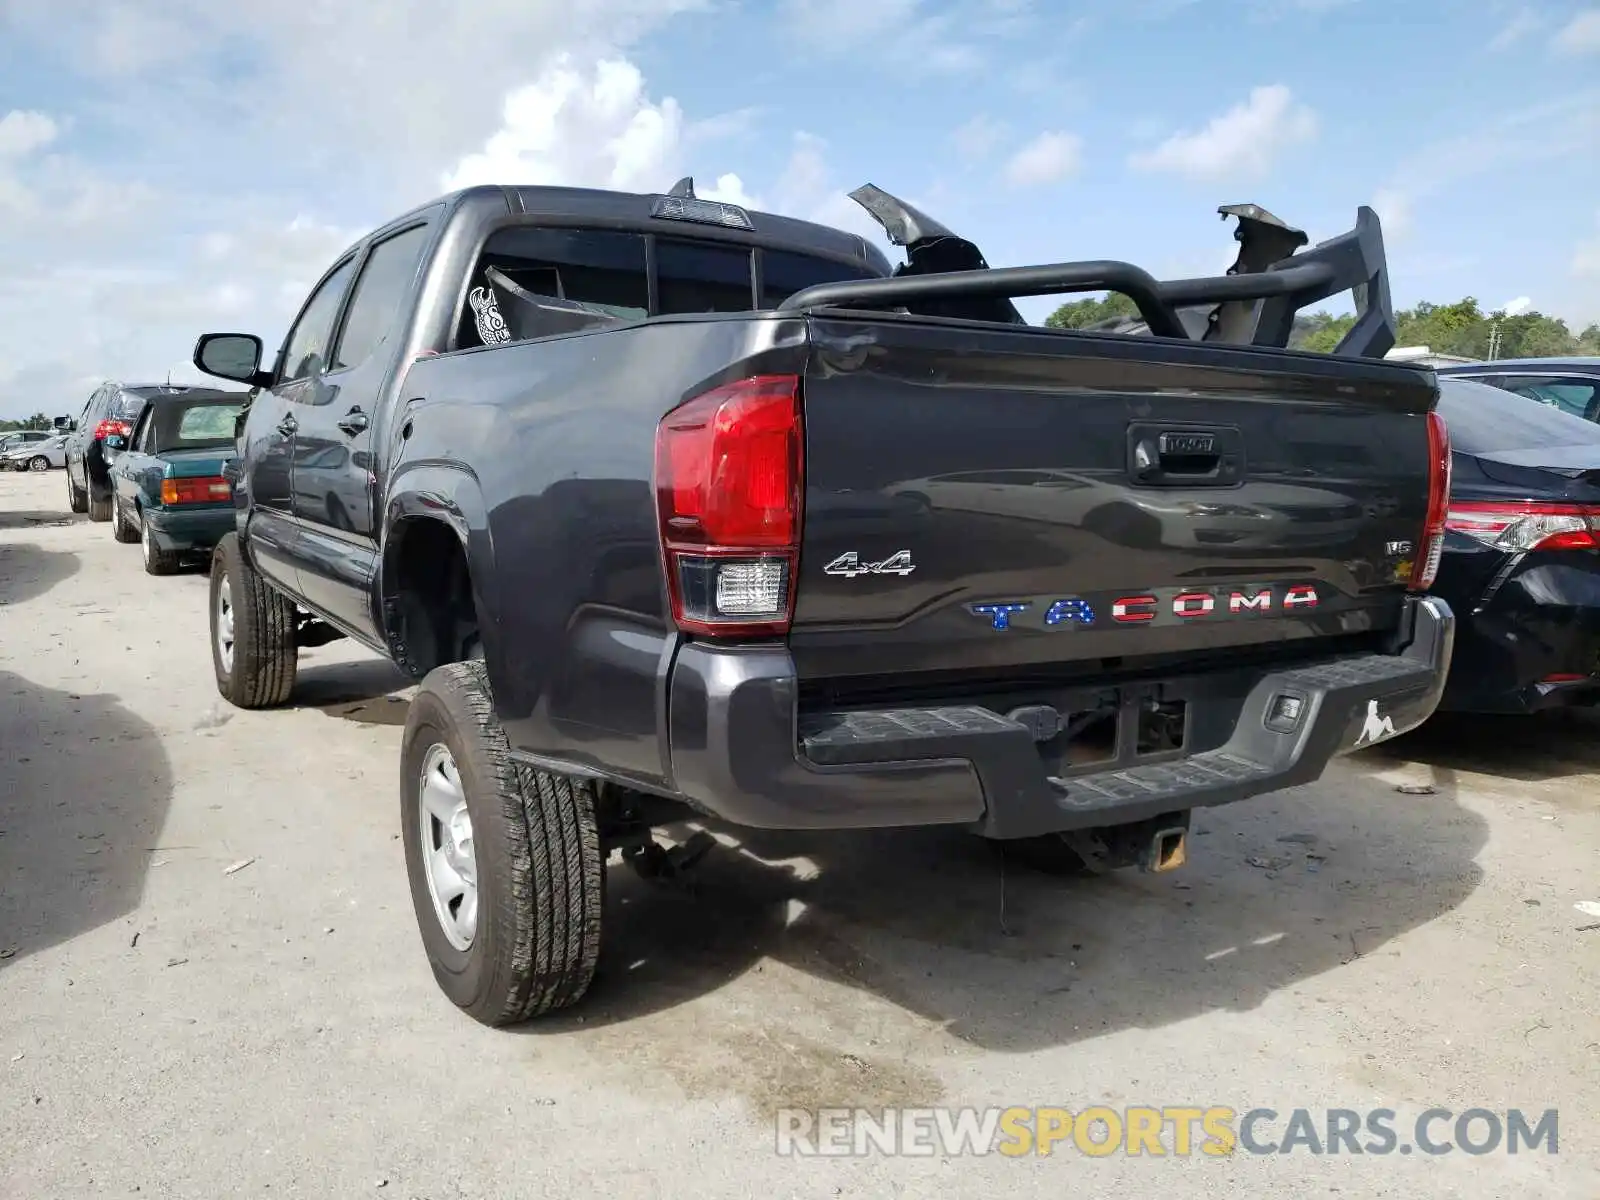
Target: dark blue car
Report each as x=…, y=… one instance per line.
x=169, y=492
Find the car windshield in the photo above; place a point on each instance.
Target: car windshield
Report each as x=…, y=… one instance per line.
x=193, y=425
x=1487, y=420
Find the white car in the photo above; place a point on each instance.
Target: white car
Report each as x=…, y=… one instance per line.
x=36, y=456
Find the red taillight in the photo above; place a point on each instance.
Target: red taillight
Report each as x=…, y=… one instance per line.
x=213, y=489
x=1527, y=525
x=729, y=474
x=109, y=428
x=1425, y=567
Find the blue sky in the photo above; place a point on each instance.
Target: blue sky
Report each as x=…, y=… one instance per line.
x=171, y=166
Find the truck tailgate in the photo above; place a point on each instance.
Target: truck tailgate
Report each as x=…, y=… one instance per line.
x=994, y=499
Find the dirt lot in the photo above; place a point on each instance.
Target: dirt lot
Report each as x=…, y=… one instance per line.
x=170, y=1028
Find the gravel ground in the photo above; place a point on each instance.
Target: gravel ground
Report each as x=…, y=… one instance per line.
x=211, y=983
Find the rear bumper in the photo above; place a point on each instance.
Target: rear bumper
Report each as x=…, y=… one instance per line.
x=742, y=751
x=1534, y=644
x=197, y=529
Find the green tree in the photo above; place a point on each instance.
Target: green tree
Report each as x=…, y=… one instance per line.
x=1319, y=331
x=1080, y=314
x=1461, y=328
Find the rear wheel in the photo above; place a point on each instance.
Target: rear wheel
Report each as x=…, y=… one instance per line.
x=507, y=878
x=38, y=463
x=253, y=650
x=121, y=528
x=99, y=506
x=77, y=501
x=156, y=560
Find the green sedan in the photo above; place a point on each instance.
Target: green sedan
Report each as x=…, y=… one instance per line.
x=169, y=491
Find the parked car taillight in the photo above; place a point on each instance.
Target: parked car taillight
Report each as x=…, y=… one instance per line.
x=211, y=489
x=110, y=428
x=1527, y=525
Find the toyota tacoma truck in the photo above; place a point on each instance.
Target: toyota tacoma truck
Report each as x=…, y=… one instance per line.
x=682, y=511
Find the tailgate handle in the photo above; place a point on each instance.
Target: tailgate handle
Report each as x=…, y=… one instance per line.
x=1189, y=456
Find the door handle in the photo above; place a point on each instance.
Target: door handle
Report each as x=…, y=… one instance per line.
x=354, y=422
x=288, y=425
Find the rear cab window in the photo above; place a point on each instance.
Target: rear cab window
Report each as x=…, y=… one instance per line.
x=195, y=425
x=536, y=280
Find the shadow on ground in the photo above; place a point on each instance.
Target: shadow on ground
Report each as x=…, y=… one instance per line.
x=1279, y=890
x=360, y=691
x=84, y=791
x=1529, y=749
x=28, y=571
x=38, y=518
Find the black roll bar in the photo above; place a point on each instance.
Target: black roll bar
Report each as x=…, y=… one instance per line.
x=1353, y=261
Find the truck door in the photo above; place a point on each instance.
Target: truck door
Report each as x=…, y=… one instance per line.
x=334, y=493
x=271, y=430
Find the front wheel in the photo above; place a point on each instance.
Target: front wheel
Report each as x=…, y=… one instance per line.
x=38, y=463
x=504, y=861
x=253, y=648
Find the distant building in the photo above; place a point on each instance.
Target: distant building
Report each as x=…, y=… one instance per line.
x=1421, y=354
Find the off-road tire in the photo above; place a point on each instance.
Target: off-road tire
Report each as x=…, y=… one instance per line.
x=100, y=507
x=540, y=871
x=121, y=528
x=158, y=561
x=264, y=651
x=77, y=500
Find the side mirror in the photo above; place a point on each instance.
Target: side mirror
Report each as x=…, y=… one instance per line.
x=235, y=356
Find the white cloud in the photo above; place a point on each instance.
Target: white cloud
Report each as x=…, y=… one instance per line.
x=260, y=146
x=580, y=127
x=1514, y=141
x=598, y=126
x=979, y=137
x=293, y=81
x=848, y=22
x=114, y=272
x=807, y=189
x=1581, y=35
x=1586, y=257
x=1523, y=24
x=1240, y=144
x=907, y=34
x=1049, y=158
x=23, y=131
x=1393, y=207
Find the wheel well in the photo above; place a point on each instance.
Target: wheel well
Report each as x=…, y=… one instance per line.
x=431, y=617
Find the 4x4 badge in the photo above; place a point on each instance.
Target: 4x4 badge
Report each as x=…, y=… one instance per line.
x=849, y=565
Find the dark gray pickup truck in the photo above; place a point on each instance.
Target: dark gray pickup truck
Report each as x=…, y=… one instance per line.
x=679, y=510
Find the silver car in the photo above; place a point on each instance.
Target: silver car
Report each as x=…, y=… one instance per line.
x=36, y=456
